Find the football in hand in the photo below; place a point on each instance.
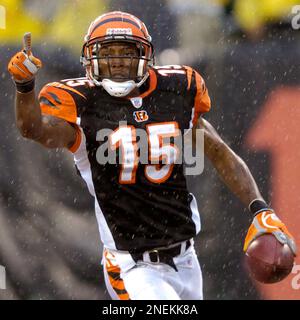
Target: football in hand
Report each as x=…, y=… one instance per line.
x=267, y=260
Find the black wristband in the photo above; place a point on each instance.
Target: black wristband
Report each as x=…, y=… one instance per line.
x=25, y=87
x=256, y=206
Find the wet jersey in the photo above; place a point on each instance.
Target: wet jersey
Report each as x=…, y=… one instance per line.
x=139, y=206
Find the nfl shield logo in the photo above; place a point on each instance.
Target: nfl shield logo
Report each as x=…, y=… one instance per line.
x=137, y=102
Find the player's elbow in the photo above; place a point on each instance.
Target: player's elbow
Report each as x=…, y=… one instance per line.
x=216, y=151
x=28, y=131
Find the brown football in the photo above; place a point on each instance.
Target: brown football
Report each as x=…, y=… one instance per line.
x=267, y=260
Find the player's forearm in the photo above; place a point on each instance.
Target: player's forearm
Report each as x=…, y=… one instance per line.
x=28, y=115
x=235, y=174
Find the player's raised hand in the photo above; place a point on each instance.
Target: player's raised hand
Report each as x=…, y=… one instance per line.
x=268, y=222
x=23, y=66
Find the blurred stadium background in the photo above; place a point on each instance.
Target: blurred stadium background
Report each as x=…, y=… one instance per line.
x=249, y=55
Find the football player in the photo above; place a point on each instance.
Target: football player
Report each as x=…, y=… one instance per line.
x=147, y=217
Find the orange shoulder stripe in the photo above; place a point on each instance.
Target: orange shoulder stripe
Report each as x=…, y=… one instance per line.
x=63, y=86
x=202, y=102
x=199, y=82
x=59, y=103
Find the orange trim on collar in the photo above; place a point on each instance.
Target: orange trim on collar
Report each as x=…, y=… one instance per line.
x=153, y=84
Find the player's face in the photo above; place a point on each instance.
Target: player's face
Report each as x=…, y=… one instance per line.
x=121, y=61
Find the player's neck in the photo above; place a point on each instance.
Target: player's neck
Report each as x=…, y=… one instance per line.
x=134, y=93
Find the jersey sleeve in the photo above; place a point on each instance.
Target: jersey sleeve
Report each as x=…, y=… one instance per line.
x=59, y=100
x=198, y=93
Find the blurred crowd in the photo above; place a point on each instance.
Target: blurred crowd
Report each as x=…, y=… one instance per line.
x=65, y=22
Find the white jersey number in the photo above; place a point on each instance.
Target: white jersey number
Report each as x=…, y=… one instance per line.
x=125, y=137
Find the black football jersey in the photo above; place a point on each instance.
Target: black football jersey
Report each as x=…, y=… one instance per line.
x=139, y=206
